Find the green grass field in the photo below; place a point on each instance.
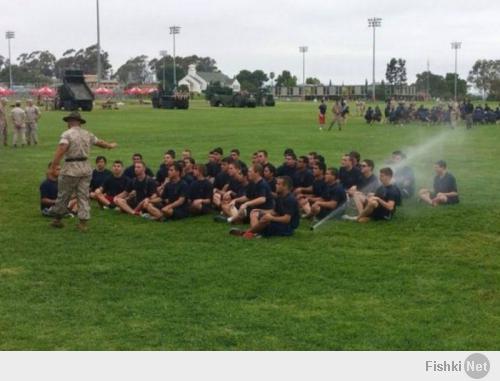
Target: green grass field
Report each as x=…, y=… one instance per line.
x=428, y=280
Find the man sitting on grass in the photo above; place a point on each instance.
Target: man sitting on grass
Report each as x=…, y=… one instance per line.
x=306, y=199
x=445, y=187
x=382, y=205
x=113, y=186
x=130, y=171
x=281, y=221
x=99, y=175
x=258, y=195
x=173, y=202
x=221, y=181
x=333, y=196
x=140, y=188
x=200, y=192
x=237, y=187
x=48, y=193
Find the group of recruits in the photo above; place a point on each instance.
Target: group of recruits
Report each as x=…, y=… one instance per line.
x=24, y=123
x=272, y=200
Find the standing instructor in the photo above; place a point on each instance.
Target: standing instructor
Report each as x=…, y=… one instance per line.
x=76, y=172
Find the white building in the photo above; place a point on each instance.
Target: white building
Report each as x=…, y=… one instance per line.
x=198, y=81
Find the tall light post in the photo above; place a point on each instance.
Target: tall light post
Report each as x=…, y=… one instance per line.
x=374, y=23
x=173, y=31
x=163, y=53
x=455, y=46
x=303, y=50
x=9, y=35
x=98, y=46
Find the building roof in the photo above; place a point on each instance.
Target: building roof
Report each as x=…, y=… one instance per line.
x=215, y=77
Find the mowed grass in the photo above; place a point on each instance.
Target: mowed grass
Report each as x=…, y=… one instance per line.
x=428, y=280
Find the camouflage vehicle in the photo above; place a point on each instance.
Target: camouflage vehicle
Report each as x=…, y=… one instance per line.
x=170, y=100
x=233, y=100
x=265, y=99
x=74, y=93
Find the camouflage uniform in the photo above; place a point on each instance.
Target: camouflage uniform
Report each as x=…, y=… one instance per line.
x=76, y=173
x=19, y=119
x=32, y=116
x=3, y=121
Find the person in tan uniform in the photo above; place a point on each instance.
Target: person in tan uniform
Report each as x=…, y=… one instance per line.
x=32, y=115
x=76, y=173
x=3, y=119
x=19, y=119
x=337, y=116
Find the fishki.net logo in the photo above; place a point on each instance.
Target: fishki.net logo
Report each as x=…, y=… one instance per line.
x=476, y=366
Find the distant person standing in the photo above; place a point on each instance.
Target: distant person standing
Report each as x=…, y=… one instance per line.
x=3, y=119
x=322, y=115
x=76, y=173
x=454, y=114
x=337, y=115
x=469, y=110
x=19, y=119
x=32, y=115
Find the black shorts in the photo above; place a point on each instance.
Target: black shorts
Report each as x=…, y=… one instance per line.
x=381, y=214
x=277, y=229
x=180, y=213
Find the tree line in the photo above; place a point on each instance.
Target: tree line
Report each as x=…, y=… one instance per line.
x=41, y=67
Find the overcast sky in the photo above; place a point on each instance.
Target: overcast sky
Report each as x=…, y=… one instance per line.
x=266, y=34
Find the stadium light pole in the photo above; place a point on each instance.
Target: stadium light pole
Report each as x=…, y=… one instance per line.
x=9, y=35
x=374, y=23
x=98, y=46
x=163, y=53
x=303, y=50
x=173, y=31
x=455, y=46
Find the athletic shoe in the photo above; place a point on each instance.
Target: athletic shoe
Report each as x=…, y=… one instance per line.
x=249, y=235
x=220, y=218
x=146, y=216
x=345, y=217
x=105, y=207
x=236, y=232
x=46, y=212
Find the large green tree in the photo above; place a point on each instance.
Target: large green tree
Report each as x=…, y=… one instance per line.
x=484, y=74
x=395, y=73
x=285, y=79
x=252, y=81
x=135, y=70
x=84, y=59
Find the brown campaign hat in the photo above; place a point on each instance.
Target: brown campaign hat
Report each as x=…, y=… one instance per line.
x=74, y=115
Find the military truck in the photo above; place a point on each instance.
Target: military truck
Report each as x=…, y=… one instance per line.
x=264, y=98
x=74, y=93
x=233, y=100
x=169, y=99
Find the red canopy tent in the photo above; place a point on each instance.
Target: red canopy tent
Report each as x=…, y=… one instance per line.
x=6, y=92
x=134, y=91
x=103, y=91
x=45, y=91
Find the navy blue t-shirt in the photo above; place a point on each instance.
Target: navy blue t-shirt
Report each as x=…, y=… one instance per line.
x=48, y=189
x=272, y=184
x=115, y=185
x=288, y=205
x=200, y=189
x=161, y=173
x=98, y=178
x=319, y=186
x=213, y=169
x=387, y=193
x=174, y=191
x=237, y=187
x=143, y=189
x=261, y=189
x=130, y=172
x=446, y=184
x=221, y=180
x=188, y=178
x=369, y=184
x=334, y=192
x=350, y=178
x=302, y=179
x=286, y=170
